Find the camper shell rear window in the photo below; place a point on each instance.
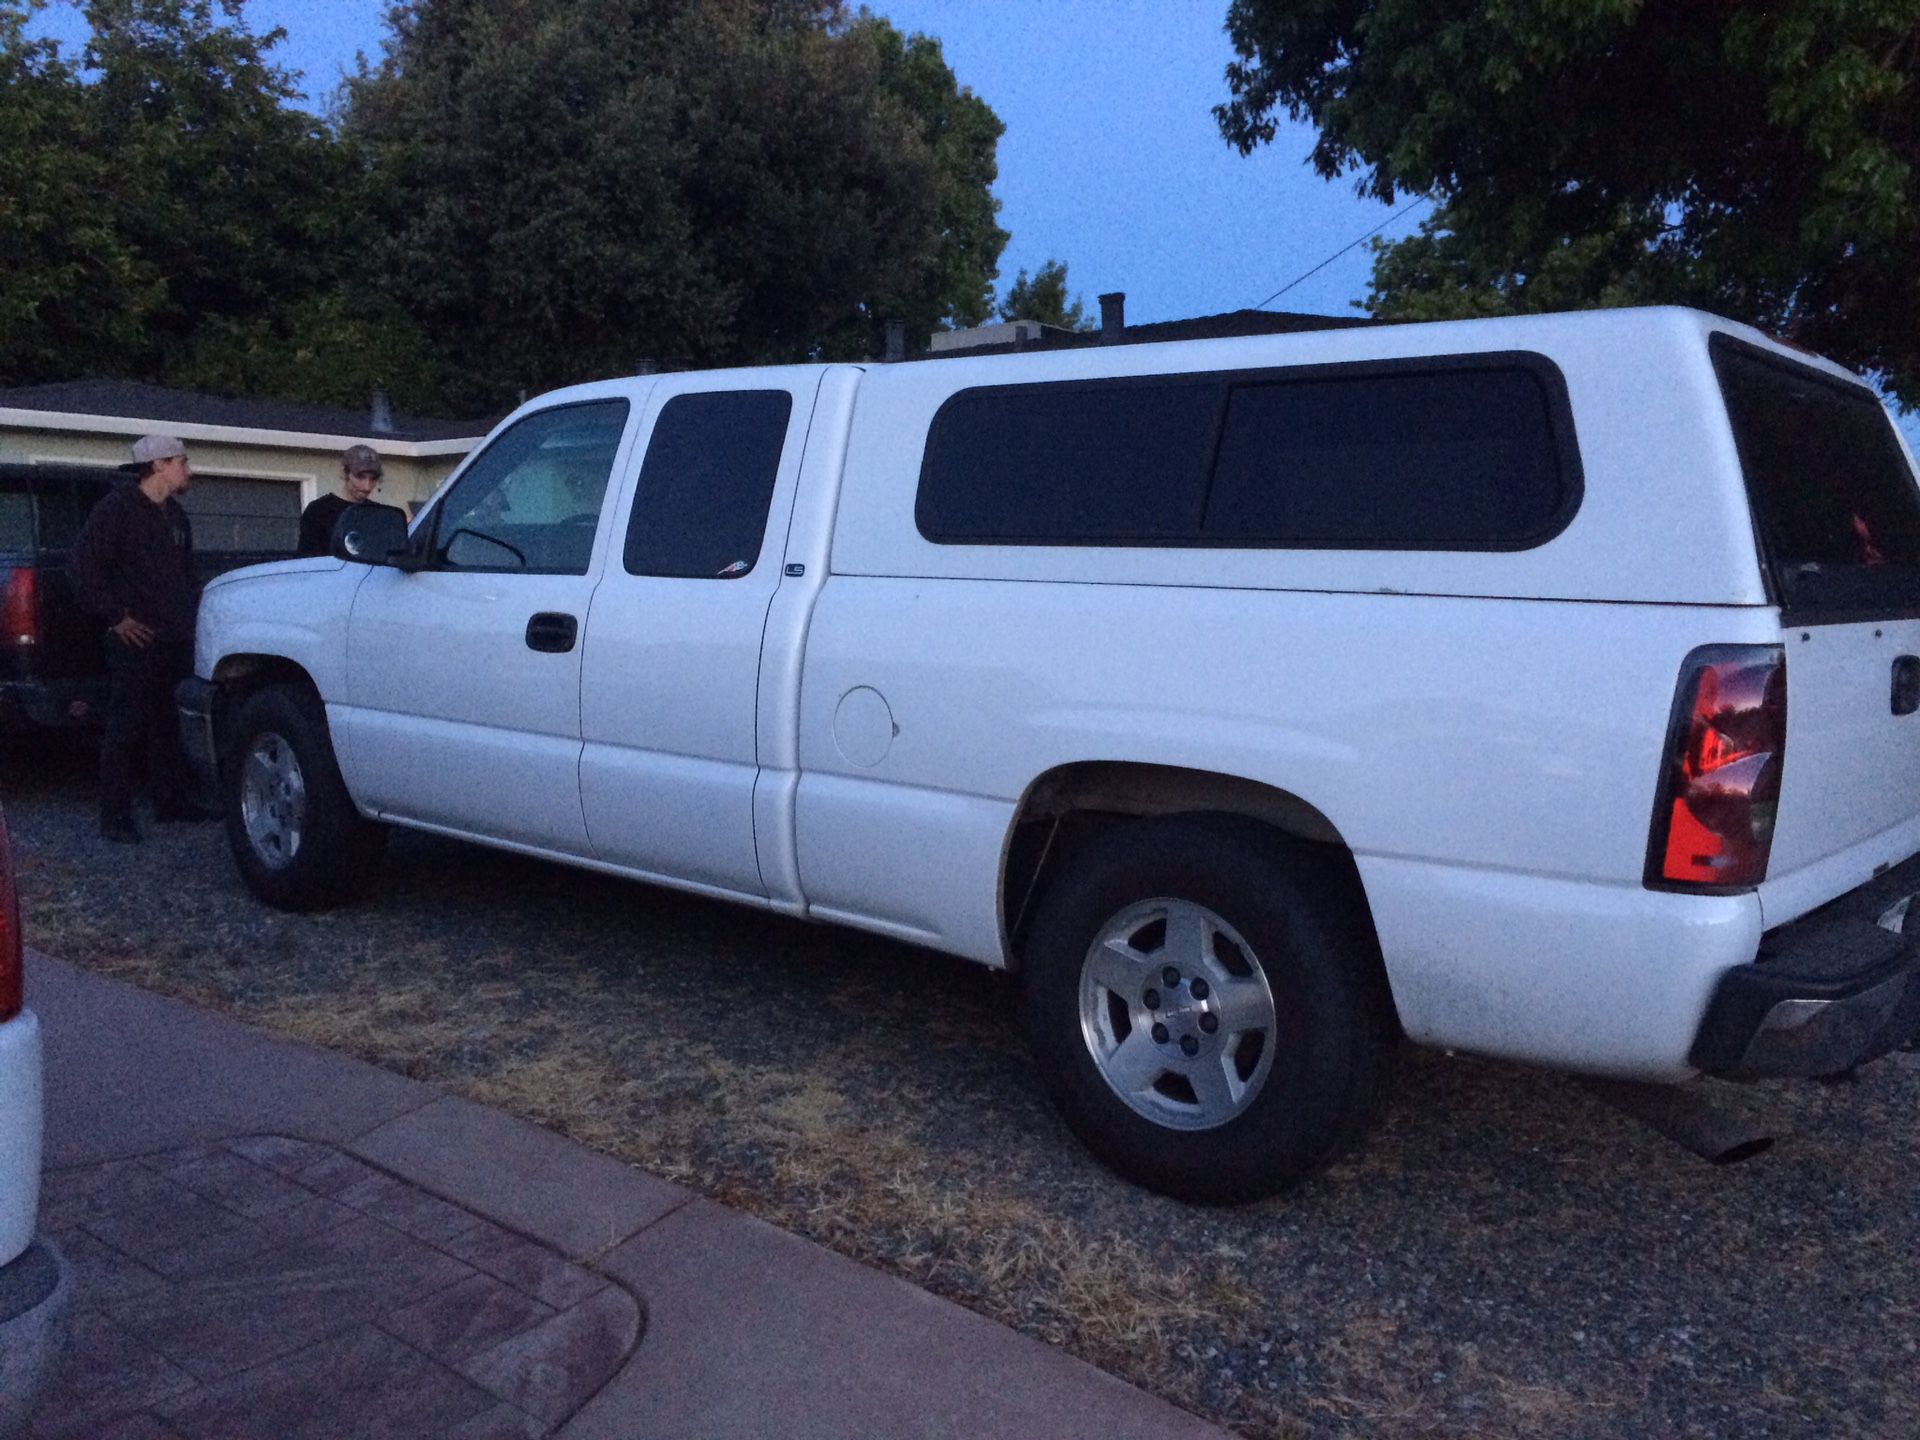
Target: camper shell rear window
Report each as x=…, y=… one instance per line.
x=1836, y=510
x=1451, y=453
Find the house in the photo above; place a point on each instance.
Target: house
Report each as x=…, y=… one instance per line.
x=256, y=463
x=1023, y=336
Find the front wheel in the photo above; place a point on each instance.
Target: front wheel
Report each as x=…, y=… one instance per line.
x=1207, y=1006
x=295, y=834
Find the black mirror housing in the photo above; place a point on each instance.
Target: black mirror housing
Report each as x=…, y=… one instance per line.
x=370, y=534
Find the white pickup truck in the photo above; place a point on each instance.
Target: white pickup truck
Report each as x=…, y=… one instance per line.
x=1543, y=688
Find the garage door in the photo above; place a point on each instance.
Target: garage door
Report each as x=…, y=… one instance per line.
x=232, y=514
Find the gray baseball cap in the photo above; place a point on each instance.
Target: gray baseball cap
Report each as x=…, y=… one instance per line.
x=362, y=457
x=149, y=448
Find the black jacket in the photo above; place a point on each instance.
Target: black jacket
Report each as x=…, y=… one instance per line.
x=134, y=557
x=316, y=524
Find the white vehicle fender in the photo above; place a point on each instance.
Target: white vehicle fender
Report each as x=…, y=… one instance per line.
x=294, y=610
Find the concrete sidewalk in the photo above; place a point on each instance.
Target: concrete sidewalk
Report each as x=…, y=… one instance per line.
x=272, y=1240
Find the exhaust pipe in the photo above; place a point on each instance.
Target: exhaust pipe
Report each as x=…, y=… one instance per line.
x=1718, y=1131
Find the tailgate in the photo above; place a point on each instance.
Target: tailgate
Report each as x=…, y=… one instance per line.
x=1852, y=766
x=1837, y=521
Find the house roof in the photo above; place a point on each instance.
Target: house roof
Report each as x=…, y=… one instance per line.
x=126, y=399
x=1200, y=327
x=1237, y=322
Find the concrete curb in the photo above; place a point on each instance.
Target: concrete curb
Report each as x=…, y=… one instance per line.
x=748, y=1330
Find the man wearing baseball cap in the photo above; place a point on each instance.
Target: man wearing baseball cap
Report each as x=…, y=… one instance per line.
x=360, y=472
x=132, y=565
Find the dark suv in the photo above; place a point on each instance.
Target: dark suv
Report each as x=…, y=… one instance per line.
x=52, y=671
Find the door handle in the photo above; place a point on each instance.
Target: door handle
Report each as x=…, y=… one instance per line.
x=552, y=632
x=1906, y=684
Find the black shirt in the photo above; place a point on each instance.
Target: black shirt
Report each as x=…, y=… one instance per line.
x=135, y=557
x=316, y=524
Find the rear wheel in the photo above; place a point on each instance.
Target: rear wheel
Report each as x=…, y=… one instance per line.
x=1208, y=1006
x=295, y=834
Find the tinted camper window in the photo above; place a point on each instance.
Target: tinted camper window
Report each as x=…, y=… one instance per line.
x=1465, y=458
x=1115, y=462
x=1465, y=454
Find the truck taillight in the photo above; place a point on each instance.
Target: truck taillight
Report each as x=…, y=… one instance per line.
x=1720, y=789
x=19, y=613
x=10, y=943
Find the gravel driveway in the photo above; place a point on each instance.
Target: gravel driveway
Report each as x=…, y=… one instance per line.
x=1506, y=1256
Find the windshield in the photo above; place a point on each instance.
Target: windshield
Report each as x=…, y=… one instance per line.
x=1834, y=501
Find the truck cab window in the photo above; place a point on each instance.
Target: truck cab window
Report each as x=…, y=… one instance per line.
x=701, y=510
x=531, y=501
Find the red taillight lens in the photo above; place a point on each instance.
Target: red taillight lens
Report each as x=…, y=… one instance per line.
x=19, y=612
x=1713, y=822
x=10, y=943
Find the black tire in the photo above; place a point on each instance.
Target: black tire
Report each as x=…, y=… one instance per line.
x=1308, y=1088
x=315, y=850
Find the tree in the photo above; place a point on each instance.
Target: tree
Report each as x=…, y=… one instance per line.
x=1044, y=298
x=567, y=189
x=167, y=214
x=1449, y=271
x=1763, y=161
x=250, y=208
x=75, y=296
x=962, y=133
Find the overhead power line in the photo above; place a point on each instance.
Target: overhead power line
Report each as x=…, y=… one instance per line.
x=1418, y=201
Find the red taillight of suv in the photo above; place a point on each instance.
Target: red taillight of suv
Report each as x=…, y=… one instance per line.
x=19, y=612
x=10, y=943
x=1713, y=819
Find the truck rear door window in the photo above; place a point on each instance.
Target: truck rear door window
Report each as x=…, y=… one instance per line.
x=701, y=509
x=1451, y=453
x=1835, y=505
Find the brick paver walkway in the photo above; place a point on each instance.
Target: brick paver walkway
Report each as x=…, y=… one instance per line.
x=267, y=1287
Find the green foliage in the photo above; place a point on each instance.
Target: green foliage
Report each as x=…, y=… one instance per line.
x=731, y=181
x=329, y=347
x=225, y=190
x=1762, y=161
x=168, y=215
x=76, y=294
x=1044, y=298
x=1449, y=271
x=517, y=197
